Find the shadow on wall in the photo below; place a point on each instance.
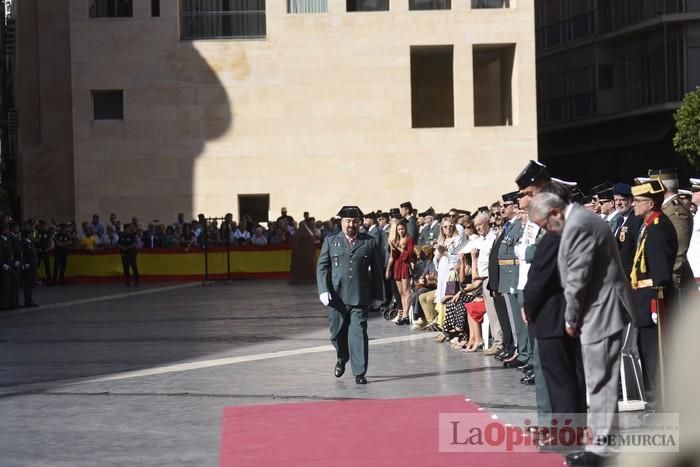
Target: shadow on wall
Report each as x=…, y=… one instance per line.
x=174, y=104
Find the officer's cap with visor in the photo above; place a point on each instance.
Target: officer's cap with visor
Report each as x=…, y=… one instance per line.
x=510, y=198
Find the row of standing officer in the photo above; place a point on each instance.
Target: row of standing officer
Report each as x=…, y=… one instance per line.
x=18, y=266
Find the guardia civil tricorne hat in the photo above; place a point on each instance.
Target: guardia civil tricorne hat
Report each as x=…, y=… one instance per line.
x=604, y=191
x=510, y=197
x=534, y=172
x=350, y=211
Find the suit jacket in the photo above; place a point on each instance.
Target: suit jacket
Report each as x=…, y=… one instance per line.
x=352, y=275
x=598, y=294
x=626, y=236
x=493, y=263
x=412, y=227
x=386, y=251
x=508, y=274
x=543, y=296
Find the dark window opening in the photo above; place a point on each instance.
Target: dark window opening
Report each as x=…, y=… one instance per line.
x=224, y=19
x=367, y=5
x=108, y=105
x=111, y=9
x=432, y=87
x=155, y=8
x=257, y=207
x=493, y=73
x=490, y=4
x=430, y=4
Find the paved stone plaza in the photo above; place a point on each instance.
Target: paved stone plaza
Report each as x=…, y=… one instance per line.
x=104, y=375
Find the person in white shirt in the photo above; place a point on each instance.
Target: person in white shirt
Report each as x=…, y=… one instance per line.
x=694, y=248
x=482, y=249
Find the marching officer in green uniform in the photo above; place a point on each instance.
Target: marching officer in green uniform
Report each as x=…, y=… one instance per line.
x=29, y=267
x=652, y=269
x=350, y=276
x=127, y=244
x=508, y=275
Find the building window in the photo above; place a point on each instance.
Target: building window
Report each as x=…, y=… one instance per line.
x=493, y=73
x=476, y=4
x=257, y=207
x=108, y=104
x=307, y=6
x=432, y=90
x=429, y=4
x=111, y=9
x=155, y=8
x=223, y=19
x=367, y=5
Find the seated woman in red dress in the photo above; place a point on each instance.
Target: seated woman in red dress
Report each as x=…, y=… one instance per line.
x=401, y=245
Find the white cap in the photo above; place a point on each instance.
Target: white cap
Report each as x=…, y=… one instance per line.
x=564, y=182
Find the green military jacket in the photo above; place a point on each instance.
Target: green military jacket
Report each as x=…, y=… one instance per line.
x=508, y=273
x=354, y=276
x=429, y=234
x=682, y=221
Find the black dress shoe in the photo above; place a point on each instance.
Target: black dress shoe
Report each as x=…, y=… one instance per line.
x=526, y=368
x=584, y=458
x=359, y=379
x=503, y=354
x=339, y=368
x=514, y=363
x=528, y=380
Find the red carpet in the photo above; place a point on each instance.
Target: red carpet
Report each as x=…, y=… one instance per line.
x=397, y=432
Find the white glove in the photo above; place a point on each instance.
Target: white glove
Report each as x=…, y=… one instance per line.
x=16, y=264
x=655, y=318
x=26, y=266
x=6, y=267
x=325, y=298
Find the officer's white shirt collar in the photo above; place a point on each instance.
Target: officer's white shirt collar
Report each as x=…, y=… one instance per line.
x=567, y=211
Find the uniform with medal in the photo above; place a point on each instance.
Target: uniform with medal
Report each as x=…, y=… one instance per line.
x=350, y=280
x=652, y=269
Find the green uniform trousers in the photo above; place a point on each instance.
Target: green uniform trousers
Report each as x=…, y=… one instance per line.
x=348, y=328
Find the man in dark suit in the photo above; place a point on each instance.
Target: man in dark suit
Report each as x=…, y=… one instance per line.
x=559, y=354
x=598, y=306
x=652, y=269
x=407, y=213
x=349, y=278
x=627, y=226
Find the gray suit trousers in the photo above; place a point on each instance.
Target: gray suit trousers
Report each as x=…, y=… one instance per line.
x=495, y=326
x=601, y=363
x=349, y=336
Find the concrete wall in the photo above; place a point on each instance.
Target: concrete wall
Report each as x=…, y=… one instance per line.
x=43, y=98
x=318, y=114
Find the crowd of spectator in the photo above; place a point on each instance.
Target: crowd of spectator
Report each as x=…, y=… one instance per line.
x=186, y=234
